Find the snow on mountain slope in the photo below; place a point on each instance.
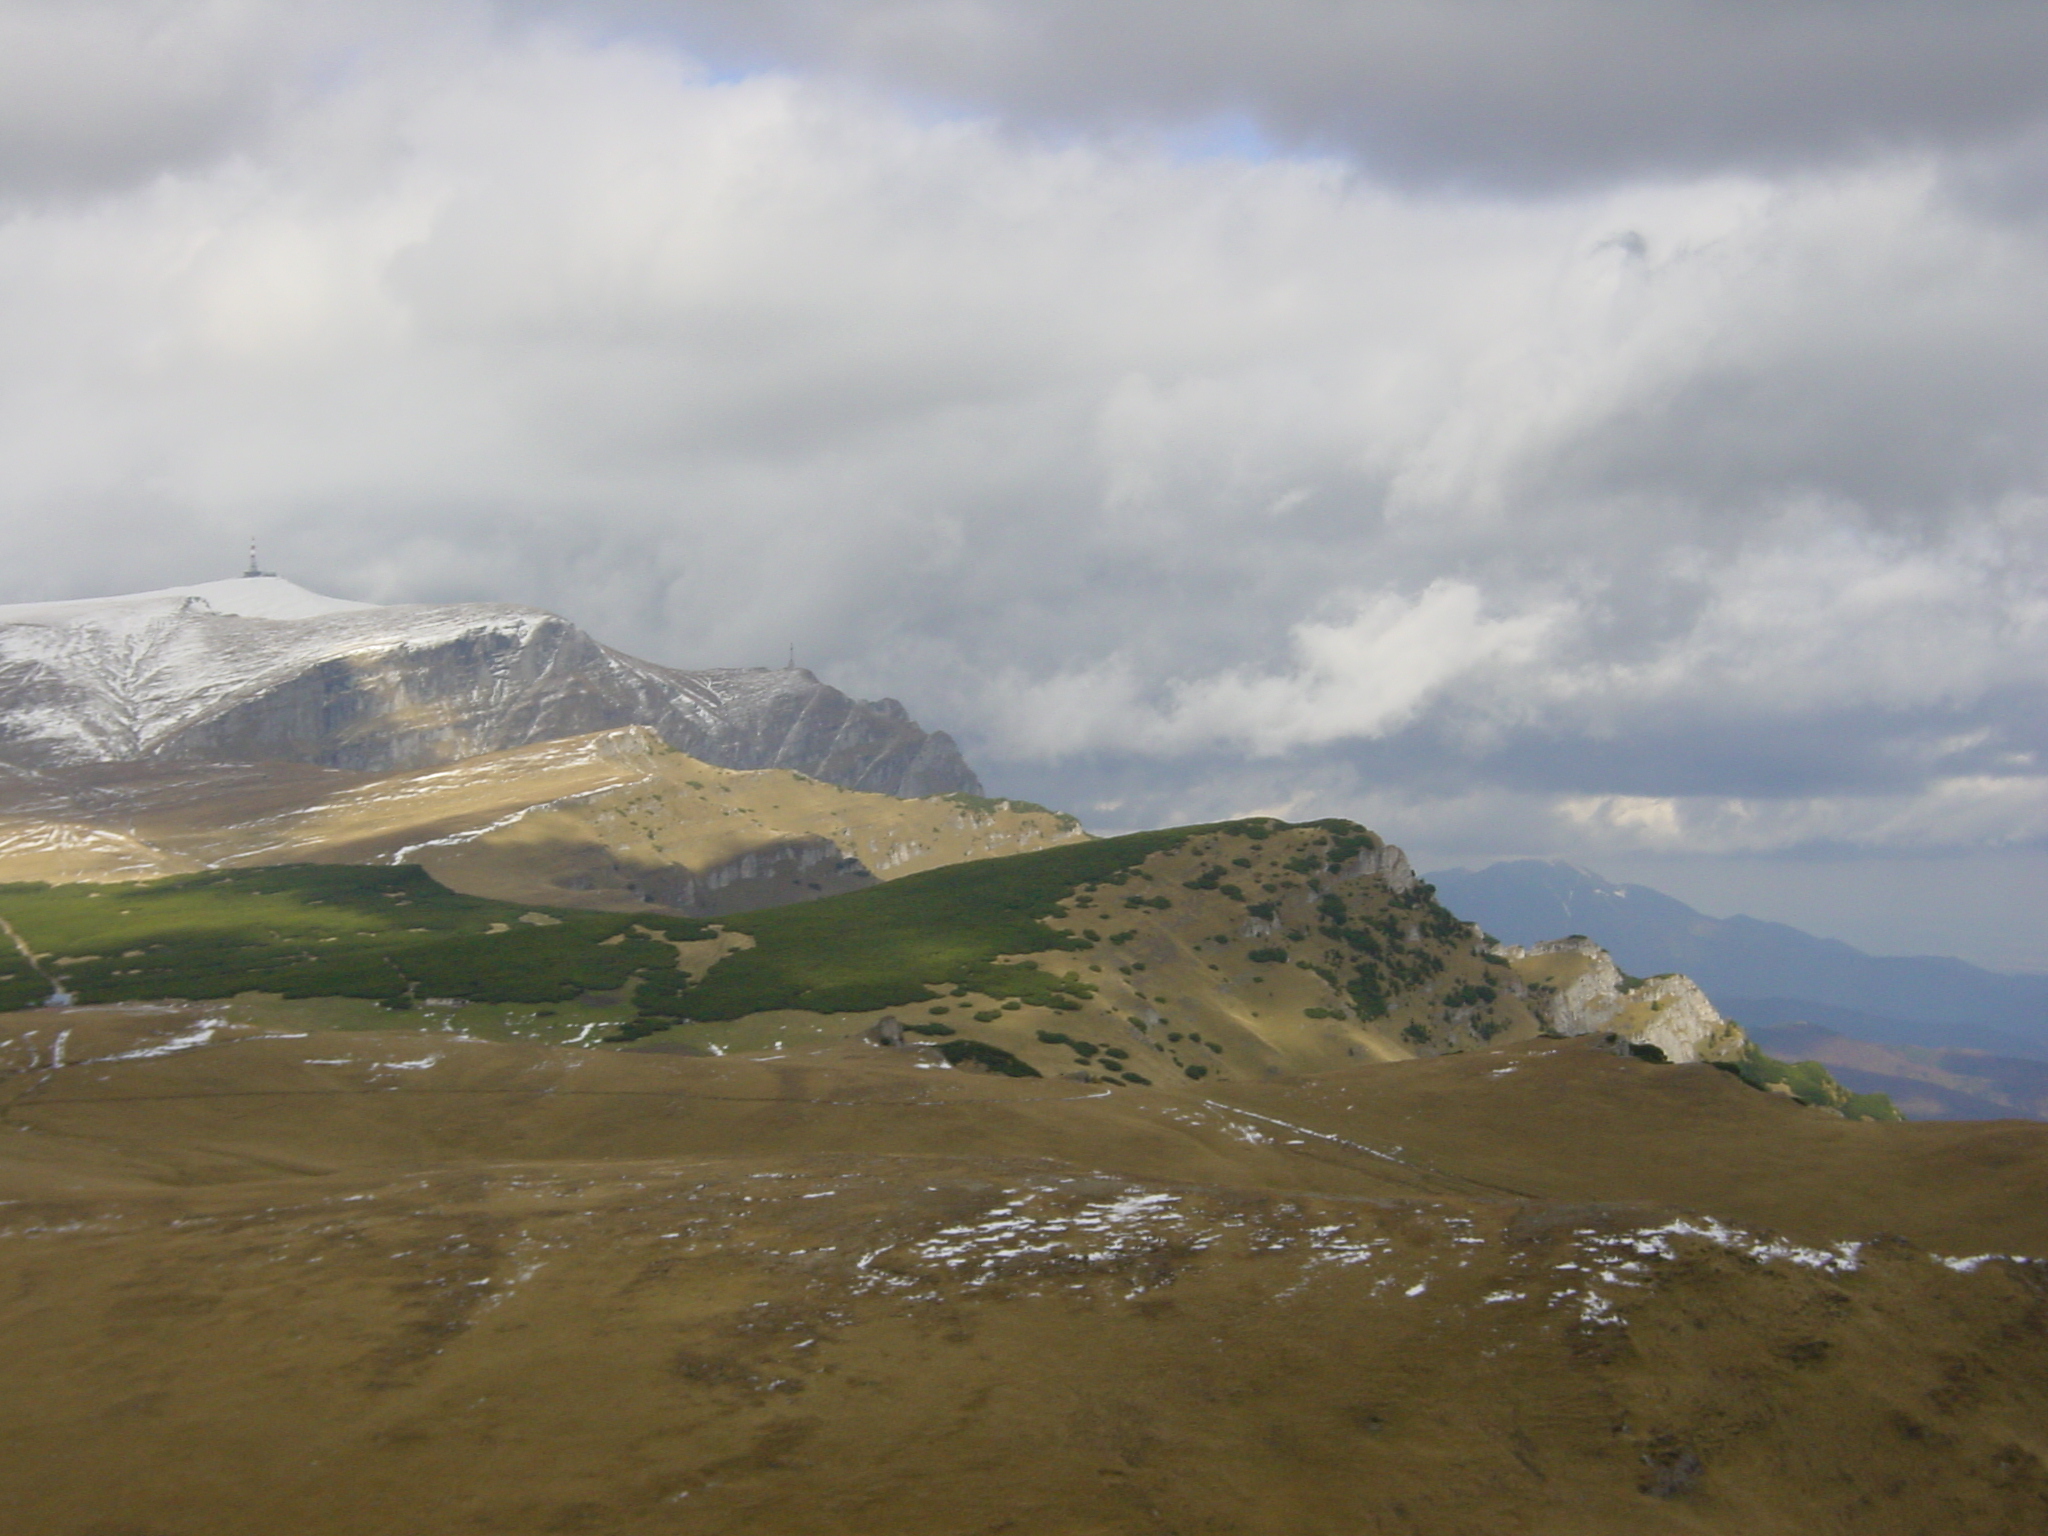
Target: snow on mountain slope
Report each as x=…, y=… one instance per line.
x=119, y=678
x=249, y=597
x=258, y=669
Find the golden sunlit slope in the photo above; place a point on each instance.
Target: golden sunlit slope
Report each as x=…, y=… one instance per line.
x=615, y=819
x=63, y=852
x=261, y=1279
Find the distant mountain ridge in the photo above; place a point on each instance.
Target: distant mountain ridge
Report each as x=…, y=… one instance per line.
x=258, y=669
x=1760, y=972
x=1926, y=1084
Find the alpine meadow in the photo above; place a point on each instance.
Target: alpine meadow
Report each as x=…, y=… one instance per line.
x=1129, y=769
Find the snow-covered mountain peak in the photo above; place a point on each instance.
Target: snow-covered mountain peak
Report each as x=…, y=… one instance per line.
x=252, y=597
x=257, y=668
x=114, y=678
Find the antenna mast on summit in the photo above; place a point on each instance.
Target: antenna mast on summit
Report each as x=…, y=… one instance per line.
x=254, y=568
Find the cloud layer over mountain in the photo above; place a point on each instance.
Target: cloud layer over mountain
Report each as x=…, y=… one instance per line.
x=1573, y=429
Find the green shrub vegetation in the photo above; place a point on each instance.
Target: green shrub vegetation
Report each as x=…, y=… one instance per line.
x=1810, y=1083
x=894, y=944
x=330, y=930
x=1347, y=841
x=937, y=939
x=1367, y=992
x=990, y=1058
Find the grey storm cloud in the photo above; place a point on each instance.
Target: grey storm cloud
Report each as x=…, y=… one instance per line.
x=1497, y=92
x=100, y=94
x=1598, y=430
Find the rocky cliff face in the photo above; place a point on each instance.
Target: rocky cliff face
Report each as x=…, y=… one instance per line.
x=1385, y=862
x=259, y=670
x=1579, y=990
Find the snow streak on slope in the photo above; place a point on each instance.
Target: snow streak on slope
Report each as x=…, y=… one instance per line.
x=260, y=670
x=115, y=678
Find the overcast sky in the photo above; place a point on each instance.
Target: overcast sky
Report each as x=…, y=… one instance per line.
x=1601, y=429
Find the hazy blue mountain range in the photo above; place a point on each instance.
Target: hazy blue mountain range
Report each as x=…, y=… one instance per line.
x=1761, y=973
x=1925, y=1083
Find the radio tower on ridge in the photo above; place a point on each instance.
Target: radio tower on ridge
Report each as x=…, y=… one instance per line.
x=254, y=568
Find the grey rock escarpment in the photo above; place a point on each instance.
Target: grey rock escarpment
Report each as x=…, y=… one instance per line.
x=260, y=670
x=1593, y=996
x=1385, y=862
x=792, y=869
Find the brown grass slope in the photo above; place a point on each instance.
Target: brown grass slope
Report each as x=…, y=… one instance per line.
x=260, y=1278
x=611, y=820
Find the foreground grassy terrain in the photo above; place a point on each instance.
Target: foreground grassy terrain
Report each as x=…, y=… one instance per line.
x=281, y=1278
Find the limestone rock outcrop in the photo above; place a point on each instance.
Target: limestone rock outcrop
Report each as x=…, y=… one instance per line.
x=1384, y=862
x=1577, y=989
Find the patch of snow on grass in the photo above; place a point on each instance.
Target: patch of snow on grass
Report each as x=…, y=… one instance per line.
x=1976, y=1261
x=1655, y=1243
x=1615, y=1261
x=199, y=1034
